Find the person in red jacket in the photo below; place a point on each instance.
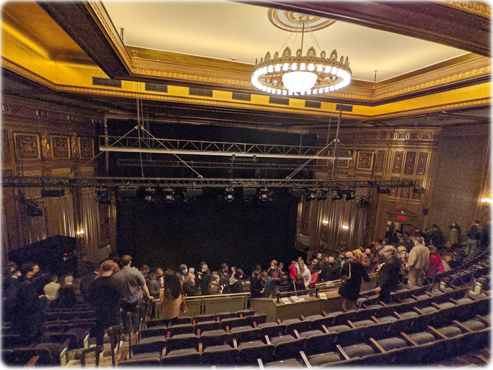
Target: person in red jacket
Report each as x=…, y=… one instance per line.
x=436, y=264
x=293, y=273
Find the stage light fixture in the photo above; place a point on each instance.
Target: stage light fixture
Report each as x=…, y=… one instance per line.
x=323, y=194
x=349, y=194
x=168, y=195
x=310, y=194
x=383, y=190
x=419, y=190
x=229, y=195
x=264, y=195
x=337, y=195
x=102, y=196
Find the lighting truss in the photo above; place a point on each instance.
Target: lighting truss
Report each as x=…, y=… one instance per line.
x=129, y=182
x=128, y=144
x=127, y=162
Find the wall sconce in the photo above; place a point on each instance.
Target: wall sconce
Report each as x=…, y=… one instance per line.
x=80, y=233
x=325, y=222
x=345, y=227
x=486, y=202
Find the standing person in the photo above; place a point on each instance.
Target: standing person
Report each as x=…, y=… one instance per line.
x=204, y=278
x=214, y=286
x=418, y=262
x=86, y=282
x=355, y=271
x=27, y=314
x=51, y=291
x=257, y=287
x=183, y=272
x=131, y=283
x=104, y=296
x=171, y=298
x=293, y=272
x=305, y=274
x=435, y=264
x=332, y=270
x=235, y=281
x=388, y=275
x=189, y=287
x=153, y=283
x=276, y=274
x=314, y=278
x=224, y=278
x=453, y=235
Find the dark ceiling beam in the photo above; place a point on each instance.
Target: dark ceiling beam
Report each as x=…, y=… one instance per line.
x=425, y=20
x=81, y=25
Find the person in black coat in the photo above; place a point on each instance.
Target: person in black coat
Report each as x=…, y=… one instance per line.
x=388, y=277
x=189, y=287
x=104, y=296
x=257, y=286
x=354, y=270
x=204, y=276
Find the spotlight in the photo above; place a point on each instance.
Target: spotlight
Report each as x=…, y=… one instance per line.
x=168, y=195
x=383, y=190
x=264, y=195
x=323, y=194
x=310, y=194
x=150, y=195
x=102, y=196
x=337, y=195
x=419, y=191
x=349, y=194
x=229, y=195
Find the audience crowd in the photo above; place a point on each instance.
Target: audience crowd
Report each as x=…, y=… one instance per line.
x=115, y=288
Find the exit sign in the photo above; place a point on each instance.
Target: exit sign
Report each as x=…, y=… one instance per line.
x=401, y=218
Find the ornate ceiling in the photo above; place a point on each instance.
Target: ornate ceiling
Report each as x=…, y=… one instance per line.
x=432, y=59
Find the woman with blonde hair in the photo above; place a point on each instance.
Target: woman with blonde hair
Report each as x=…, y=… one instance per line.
x=352, y=272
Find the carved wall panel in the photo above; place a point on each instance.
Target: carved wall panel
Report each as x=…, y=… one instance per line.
x=422, y=160
x=60, y=147
x=405, y=192
x=5, y=147
x=379, y=161
x=342, y=164
x=365, y=160
x=86, y=147
x=27, y=145
x=409, y=165
x=397, y=166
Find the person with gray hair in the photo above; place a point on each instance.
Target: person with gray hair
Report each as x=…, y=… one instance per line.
x=419, y=260
x=388, y=276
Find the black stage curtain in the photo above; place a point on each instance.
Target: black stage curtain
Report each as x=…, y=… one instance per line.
x=239, y=233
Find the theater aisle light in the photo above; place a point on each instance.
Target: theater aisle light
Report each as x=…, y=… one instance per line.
x=299, y=74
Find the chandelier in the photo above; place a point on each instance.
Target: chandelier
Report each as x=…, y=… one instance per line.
x=299, y=74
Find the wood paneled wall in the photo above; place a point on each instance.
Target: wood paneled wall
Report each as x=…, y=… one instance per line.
x=451, y=164
x=43, y=139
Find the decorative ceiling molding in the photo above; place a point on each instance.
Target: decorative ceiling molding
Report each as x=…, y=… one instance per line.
x=473, y=7
x=426, y=20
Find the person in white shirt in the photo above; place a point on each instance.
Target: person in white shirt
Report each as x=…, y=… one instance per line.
x=51, y=289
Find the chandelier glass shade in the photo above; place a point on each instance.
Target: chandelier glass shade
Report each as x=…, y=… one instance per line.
x=301, y=74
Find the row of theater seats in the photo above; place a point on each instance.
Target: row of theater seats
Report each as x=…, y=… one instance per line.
x=479, y=263
x=63, y=330
x=363, y=335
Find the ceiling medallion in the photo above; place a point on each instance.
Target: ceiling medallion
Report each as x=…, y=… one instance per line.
x=291, y=21
x=301, y=74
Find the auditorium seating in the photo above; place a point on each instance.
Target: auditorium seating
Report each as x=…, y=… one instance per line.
x=405, y=332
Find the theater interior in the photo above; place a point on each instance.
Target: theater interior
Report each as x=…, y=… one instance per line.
x=139, y=128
